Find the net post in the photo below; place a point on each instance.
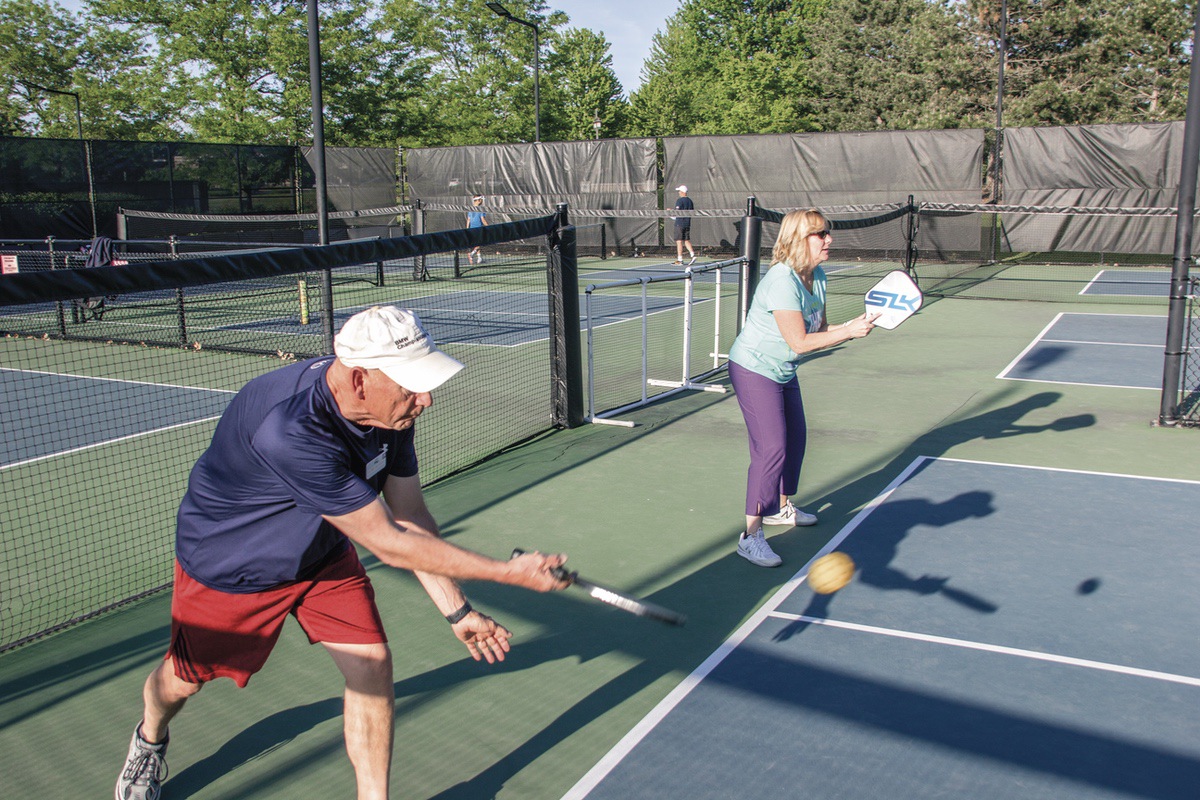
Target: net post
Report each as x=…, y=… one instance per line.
x=1181, y=261
x=910, y=240
x=59, y=310
x=180, y=311
x=751, y=244
x=566, y=365
x=122, y=229
x=418, y=217
x=603, y=242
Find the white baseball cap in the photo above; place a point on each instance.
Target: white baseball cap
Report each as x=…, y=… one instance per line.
x=681, y=188
x=392, y=340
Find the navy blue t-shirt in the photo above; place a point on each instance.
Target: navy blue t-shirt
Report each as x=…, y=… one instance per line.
x=684, y=204
x=282, y=455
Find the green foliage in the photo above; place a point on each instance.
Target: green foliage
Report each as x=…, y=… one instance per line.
x=448, y=72
x=726, y=67
x=901, y=64
x=1074, y=62
x=589, y=88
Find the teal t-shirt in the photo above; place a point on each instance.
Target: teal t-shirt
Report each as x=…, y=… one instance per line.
x=760, y=347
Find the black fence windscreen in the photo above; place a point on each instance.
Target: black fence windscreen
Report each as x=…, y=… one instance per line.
x=52, y=186
x=113, y=379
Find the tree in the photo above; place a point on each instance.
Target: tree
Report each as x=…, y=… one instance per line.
x=725, y=67
x=581, y=66
x=1071, y=62
x=896, y=65
x=237, y=70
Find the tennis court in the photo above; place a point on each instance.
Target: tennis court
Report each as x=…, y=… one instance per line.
x=1003, y=637
x=1119, y=350
x=1072, y=528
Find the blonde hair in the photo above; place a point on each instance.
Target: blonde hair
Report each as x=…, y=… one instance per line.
x=791, y=246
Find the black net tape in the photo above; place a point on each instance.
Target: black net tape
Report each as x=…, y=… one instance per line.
x=113, y=379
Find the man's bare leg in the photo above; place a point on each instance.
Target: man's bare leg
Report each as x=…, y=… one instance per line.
x=370, y=709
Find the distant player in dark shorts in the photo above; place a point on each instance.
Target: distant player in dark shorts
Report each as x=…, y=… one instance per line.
x=683, y=227
x=476, y=218
x=306, y=462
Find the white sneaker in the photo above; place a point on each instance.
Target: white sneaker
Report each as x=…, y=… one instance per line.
x=691, y=261
x=790, y=515
x=145, y=770
x=754, y=548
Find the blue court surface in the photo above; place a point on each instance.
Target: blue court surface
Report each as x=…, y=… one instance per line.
x=34, y=406
x=1121, y=350
x=657, y=271
x=499, y=319
x=1012, y=632
x=1130, y=283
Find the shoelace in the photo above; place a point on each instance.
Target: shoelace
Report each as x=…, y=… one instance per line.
x=147, y=762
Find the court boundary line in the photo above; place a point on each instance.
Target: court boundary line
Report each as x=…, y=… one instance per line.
x=105, y=443
x=665, y=706
x=626, y=744
x=967, y=644
x=117, y=380
x=1068, y=470
x=1040, y=337
x=1098, y=279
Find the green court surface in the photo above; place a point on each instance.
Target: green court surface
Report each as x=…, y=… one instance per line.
x=653, y=509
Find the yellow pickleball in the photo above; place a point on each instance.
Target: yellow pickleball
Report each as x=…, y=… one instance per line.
x=830, y=572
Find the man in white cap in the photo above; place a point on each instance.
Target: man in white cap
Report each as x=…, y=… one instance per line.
x=683, y=228
x=306, y=462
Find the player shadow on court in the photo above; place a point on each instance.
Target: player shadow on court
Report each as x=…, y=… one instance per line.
x=656, y=651
x=874, y=549
x=999, y=423
x=1040, y=358
x=414, y=693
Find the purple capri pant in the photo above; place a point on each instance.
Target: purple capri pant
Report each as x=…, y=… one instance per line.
x=774, y=415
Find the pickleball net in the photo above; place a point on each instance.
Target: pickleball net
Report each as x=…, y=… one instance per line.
x=1100, y=255
x=382, y=223
x=109, y=393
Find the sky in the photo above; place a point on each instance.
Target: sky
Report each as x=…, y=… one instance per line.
x=628, y=25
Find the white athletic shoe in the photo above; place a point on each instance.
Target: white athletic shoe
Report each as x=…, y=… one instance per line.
x=754, y=548
x=145, y=769
x=691, y=261
x=790, y=515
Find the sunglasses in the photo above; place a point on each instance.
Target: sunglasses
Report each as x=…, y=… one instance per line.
x=824, y=234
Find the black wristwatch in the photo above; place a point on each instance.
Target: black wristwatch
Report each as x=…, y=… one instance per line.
x=457, y=616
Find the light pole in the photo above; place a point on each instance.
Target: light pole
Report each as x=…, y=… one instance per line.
x=996, y=174
x=596, y=124
x=87, y=158
x=537, y=57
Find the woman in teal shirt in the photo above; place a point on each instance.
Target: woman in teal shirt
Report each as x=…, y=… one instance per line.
x=786, y=320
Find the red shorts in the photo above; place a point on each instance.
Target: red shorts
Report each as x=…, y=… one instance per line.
x=218, y=634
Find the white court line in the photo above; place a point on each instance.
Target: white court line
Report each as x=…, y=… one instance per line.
x=1041, y=337
x=105, y=443
x=639, y=732
x=632, y=739
x=1103, y=666
x=1004, y=372
x=1067, y=470
x=1107, y=344
x=116, y=380
x=1100, y=277
x=1081, y=383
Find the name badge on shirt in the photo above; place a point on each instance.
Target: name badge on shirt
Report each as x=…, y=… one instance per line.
x=377, y=463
